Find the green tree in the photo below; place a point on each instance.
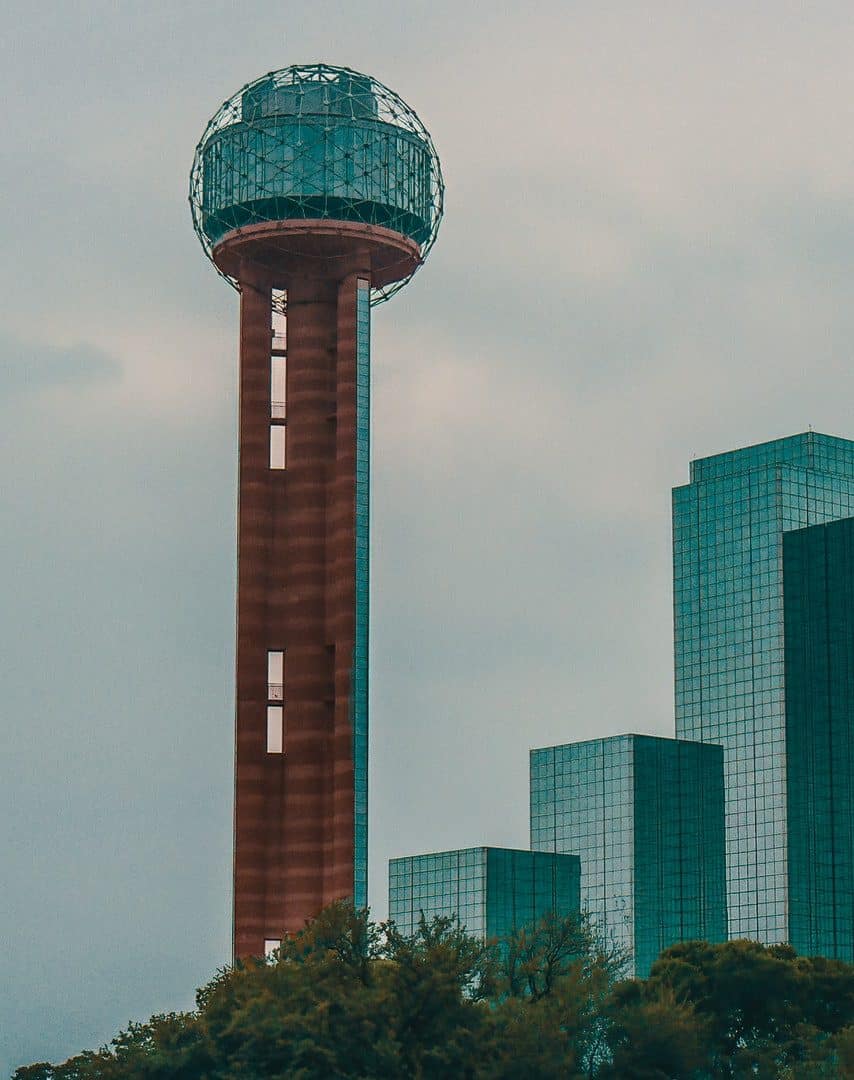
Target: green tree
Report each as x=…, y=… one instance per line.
x=317, y=1010
x=765, y=1010
x=435, y=985
x=346, y=998
x=168, y=1047
x=652, y=1035
x=551, y=984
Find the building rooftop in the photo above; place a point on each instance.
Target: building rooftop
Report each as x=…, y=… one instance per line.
x=627, y=737
x=480, y=850
x=807, y=450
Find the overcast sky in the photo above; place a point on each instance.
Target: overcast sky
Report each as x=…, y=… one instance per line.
x=648, y=255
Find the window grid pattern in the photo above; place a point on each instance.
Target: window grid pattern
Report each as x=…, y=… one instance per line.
x=451, y=883
x=645, y=816
x=728, y=526
x=492, y=891
x=809, y=450
x=818, y=584
x=679, y=847
x=582, y=804
x=359, y=682
x=524, y=886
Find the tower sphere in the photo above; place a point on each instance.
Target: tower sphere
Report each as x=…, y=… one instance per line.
x=308, y=161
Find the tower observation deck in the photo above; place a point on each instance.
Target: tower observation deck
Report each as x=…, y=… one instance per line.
x=317, y=193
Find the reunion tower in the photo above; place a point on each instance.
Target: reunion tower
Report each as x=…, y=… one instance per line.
x=316, y=192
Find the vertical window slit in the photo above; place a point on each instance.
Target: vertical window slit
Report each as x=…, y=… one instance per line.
x=275, y=729
x=278, y=446
x=275, y=675
x=278, y=387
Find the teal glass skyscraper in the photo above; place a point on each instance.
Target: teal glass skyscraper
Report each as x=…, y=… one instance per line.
x=818, y=590
x=728, y=526
x=645, y=816
x=492, y=891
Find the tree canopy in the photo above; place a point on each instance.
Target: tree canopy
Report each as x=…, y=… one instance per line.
x=347, y=998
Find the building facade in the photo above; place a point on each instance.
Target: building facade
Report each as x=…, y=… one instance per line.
x=728, y=526
x=818, y=592
x=645, y=817
x=492, y=891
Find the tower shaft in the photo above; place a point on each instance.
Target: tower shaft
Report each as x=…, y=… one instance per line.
x=321, y=182
x=301, y=722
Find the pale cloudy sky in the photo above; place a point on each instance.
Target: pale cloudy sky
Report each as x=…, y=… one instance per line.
x=648, y=255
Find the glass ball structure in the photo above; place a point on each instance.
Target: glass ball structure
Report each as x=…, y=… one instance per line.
x=317, y=143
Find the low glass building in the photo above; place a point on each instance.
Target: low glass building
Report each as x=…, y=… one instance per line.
x=728, y=526
x=818, y=590
x=492, y=891
x=646, y=817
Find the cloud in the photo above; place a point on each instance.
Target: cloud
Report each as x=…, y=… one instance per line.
x=28, y=367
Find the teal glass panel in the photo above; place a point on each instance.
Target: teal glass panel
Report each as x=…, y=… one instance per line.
x=318, y=149
x=359, y=683
x=582, y=804
x=522, y=887
x=492, y=891
x=728, y=526
x=445, y=883
x=645, y=817
x=316, y=142
x=680, y=875
x=818, y=586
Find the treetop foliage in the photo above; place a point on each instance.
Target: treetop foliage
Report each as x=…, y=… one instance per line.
x=347, y=998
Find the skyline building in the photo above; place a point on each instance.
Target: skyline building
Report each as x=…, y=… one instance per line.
x=316, y=192
x=645, y=815
x=491, y=891
x=818, y=593
x=730, y=685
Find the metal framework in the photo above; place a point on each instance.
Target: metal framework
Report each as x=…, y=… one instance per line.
x=317, y=142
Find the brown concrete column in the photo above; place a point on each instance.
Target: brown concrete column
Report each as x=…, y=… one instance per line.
x=252, y=770
x=294, y=813
x=306, y=832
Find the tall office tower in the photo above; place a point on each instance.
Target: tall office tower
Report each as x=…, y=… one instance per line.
x=646, y=817
x=728, y=526
x=818, y=595
x=492, y=891
x=316, y=192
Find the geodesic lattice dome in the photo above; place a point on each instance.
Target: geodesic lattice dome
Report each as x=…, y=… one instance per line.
x=317, y=142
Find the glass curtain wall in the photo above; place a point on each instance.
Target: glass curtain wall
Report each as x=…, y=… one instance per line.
x=645, y=817
x=728, y=526
x=359, y=682
x=818, y=585
x=492, y=891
